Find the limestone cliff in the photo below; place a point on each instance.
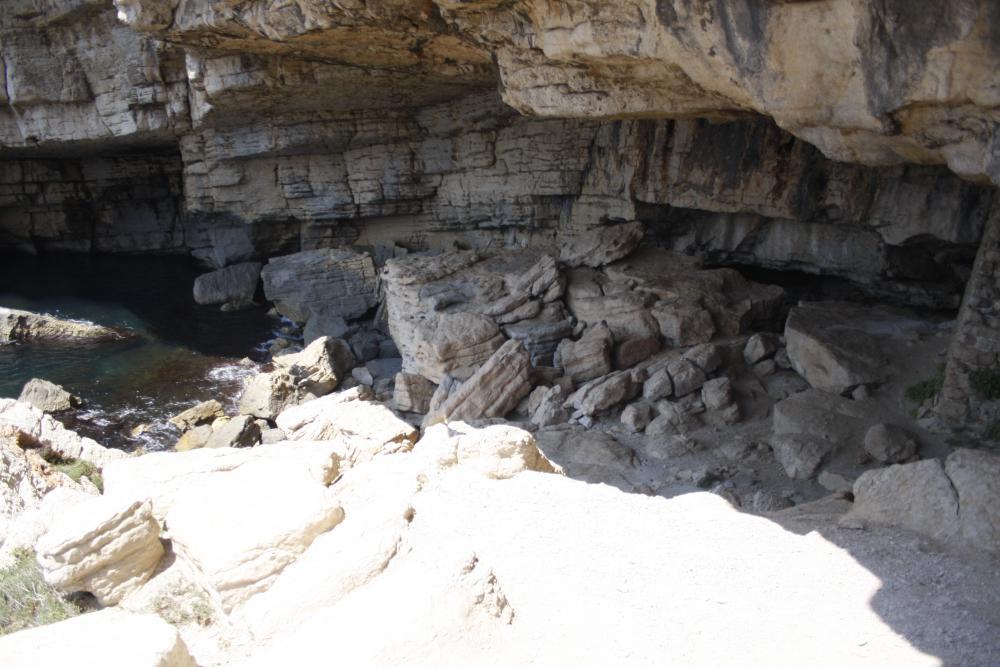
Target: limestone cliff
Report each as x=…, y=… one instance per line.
x=850, y=138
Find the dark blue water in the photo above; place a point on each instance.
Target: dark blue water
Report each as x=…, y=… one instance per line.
x=183, y=352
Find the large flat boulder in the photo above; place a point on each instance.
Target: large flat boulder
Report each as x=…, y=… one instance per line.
x=333, y=280
x=834, y=347
x=498, y=452
x=48, y=396
x=110, y=638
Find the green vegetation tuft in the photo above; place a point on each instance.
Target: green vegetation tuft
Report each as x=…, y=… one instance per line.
x=75, y=469
x=986, y=382
x=26, y=600
x=926, y=389
x=184, y=606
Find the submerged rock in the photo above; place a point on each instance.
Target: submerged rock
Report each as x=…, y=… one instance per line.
x=21, y=325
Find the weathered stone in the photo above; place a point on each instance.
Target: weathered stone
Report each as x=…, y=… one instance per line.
x=589, y=357
x=331, y=280
x=916, y=496
x=889, y=444
x=233, y=284
x=636, y=416
x=830, y=346
x=800, y=455
x=108, y=546
x=449, y=343
x=822, y=415
x=717, y=394
x=318, y=368
x=550, y=409
x=205, y=412
x=46, y=431
x=497, y=452
x=658, y=385
x=194, y=438
x=975, y=474
x=760, y=346
x=48, y=397
x=413, y=393
x=683, y=322
x=324, y=322
x=604, y=392
x=588, y=455
x=492, y=391
x=541, y=335
x=240, y=431
x=265, y=395
x=237, y=554
x=631, y=351
x=139, y=639
x=21, y=325
x=601, y=245
x=367, y=429
x=685, y=376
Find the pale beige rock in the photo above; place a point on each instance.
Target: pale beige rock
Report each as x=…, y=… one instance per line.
x=366, y=429
x=889, y=444
x=265, y=395
x=139, y=640
x=108, y=546
x=916, y=496
x=413, y=393
x=49, y=432
x=550, y=409
x=492, y=391
x=33, y=521
x=205, y=412
x=589, y=357
x=163, y=476
x=320, y=367
x=194, y=438
x=48, y=397
x=448, y=343
x=237, y=554
x=240, y=431
x=497, y=452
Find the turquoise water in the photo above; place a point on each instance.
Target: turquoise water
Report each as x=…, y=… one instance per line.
x=183, y=352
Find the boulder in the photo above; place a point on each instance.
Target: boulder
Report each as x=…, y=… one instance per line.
x=636, y=416
x=825, y=416
x=21, y=325
x=760, y=346
x=238, y=538
x=320, y=367
x=240, y=431
x=889, y=444
x=975, y=475
x=234, y=284
x=601, y=245
x=800, y=455
x=717, y=394
x=413, y=393
x=265, y=395
x=162, y=476
x=366, y=429
x=830, y=345
x=48, y=397
x=549, y=407
x=542, y=333
x=683, y=322
x=631, y=351
x=658, y=385
x=325, y=322
x=493, y=390
x=448, y=343
x=589, y=357
x=686, y=376
x=194, y=438
x=330, y=280
x=587, y=455
x=604, y=392
x=48, y=432
x=205, y=412
x=497, y=452
x=110, y=637
x=108, y=546
x=915, y=496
